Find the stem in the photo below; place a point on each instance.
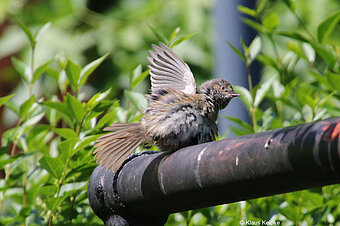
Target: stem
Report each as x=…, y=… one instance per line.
x=76, y=92
x=62, y=178
x=60, y=183
x=50, y=219
x=81, y=123
x=73, y=198
x=24, y=187
x=30, y=86
x=250, y=84
x=15, y=143
x=253, y=118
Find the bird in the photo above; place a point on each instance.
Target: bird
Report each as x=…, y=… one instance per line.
x=178, y=115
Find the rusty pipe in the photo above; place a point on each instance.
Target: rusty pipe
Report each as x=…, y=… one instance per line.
x=256, y=165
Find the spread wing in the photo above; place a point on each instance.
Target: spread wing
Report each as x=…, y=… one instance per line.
x=167, y=70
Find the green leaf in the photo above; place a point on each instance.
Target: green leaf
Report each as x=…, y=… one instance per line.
x=244, y=47
x=72, y=187
x=52, y=165
x=32, y=121
x=260, y=7
x=48, y=190
x=267, y=119
x=28, y=33
x=290, y=4
x=174, y=34
x=309, y=52
x=4, y=99
x=23, y=70
x=36, y=138
x=54, y=202
x=137, y=76
x=73, y=73
x=136, y=72
x=26, y=106
x=245, y=95
x=326, y=52
x=52, y=73
x=89, y=68
x=89, y=116
x=313, y=200
x=262, y=91
x=25, y=158
x=334, y=80
x=59, y=106
x=258, y=27
x=246, y=10
x=327, y=26
x=241, y=123
x=290, y=212
x=86, y=141
x=103, y=106
x=5, y=158
x=108, y=117
x=181, y=39
x=76, y=107
x=12, y=106
x=322, y=79
x=238, y=52
x=161, y=37
x=97, y=98
x=41, y=69
x=254, y=48
x=137, y=99
x=271, y=21
x=304, y=96
x=67, y=146
x=65, y=132
x=41, y=31
x=268, y=60
x=325, y=100
x=294, y=35
x=295, y=48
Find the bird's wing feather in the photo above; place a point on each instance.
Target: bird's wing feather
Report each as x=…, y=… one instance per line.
x=167, y=70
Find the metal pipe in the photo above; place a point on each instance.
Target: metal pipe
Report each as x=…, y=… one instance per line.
x=241, y=168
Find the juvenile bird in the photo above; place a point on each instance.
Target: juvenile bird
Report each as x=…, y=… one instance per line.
x=177, y=115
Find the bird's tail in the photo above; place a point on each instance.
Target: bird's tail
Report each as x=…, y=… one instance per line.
x=113, y=148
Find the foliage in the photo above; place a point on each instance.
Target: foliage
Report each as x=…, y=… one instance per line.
x=50, y=159
x=49, y=163
x=299, y=84
x=47, y=157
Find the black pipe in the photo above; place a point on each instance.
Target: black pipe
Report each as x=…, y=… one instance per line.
x=241, y=168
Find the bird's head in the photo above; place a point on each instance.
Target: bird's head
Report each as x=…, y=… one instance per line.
x=219, y=91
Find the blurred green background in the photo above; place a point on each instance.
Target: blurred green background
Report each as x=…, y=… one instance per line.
x=85, y=30
x=299, y=48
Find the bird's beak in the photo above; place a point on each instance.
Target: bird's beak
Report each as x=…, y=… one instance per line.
x=234, y=94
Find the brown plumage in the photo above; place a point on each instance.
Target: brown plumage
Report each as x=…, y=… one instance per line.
x=177, y=116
